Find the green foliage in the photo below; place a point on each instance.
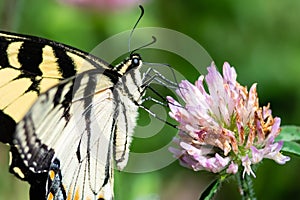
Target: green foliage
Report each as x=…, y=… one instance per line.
x=291, y=137
x=289, y=133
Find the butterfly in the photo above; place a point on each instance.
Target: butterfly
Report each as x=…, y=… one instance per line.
x=81, y=121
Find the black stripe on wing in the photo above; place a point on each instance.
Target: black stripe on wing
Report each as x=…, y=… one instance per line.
x=30, y=56
x=66, y=64
x=7, y=128
x=3, y=53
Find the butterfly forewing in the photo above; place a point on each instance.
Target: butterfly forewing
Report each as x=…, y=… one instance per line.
x=30, y=65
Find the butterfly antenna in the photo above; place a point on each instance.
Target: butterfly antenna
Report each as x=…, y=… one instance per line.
x=148, y=44
x=134, y=27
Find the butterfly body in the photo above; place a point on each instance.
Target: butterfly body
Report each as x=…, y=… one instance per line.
x=80, y=123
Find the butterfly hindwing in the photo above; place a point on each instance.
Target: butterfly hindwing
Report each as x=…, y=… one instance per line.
x=69, y=126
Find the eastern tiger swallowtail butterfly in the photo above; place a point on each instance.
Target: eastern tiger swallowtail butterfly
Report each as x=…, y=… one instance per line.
x=79, y=124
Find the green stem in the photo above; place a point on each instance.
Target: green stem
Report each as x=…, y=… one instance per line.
x=245, y=186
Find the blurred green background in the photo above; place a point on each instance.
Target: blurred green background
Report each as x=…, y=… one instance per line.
x=260, y=38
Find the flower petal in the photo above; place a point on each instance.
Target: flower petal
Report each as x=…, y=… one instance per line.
x=232, y=168
x=247, y=166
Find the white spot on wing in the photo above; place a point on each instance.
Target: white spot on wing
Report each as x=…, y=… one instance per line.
x=19, y=172
x=12, y=52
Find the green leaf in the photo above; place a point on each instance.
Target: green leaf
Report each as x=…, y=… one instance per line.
x=291, y=136
x=289, y=133
x=211, y=190
x=291, y=147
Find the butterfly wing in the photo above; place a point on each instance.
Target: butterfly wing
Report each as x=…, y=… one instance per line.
x=28, y=67
x=65, y=144
x=31, y=65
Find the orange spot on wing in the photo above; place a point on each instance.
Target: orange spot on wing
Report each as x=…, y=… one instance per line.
x=50, y=196
x=72, y=196
x=51, y=175
x=101, y=197
x=69, y=194
x=77, y=194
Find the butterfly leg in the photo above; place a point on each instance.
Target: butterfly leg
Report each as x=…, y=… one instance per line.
x=152, y=75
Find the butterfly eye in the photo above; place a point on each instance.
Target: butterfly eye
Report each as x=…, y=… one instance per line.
x=136, y=62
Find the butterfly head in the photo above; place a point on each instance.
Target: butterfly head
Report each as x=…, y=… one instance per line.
x=133, y=62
